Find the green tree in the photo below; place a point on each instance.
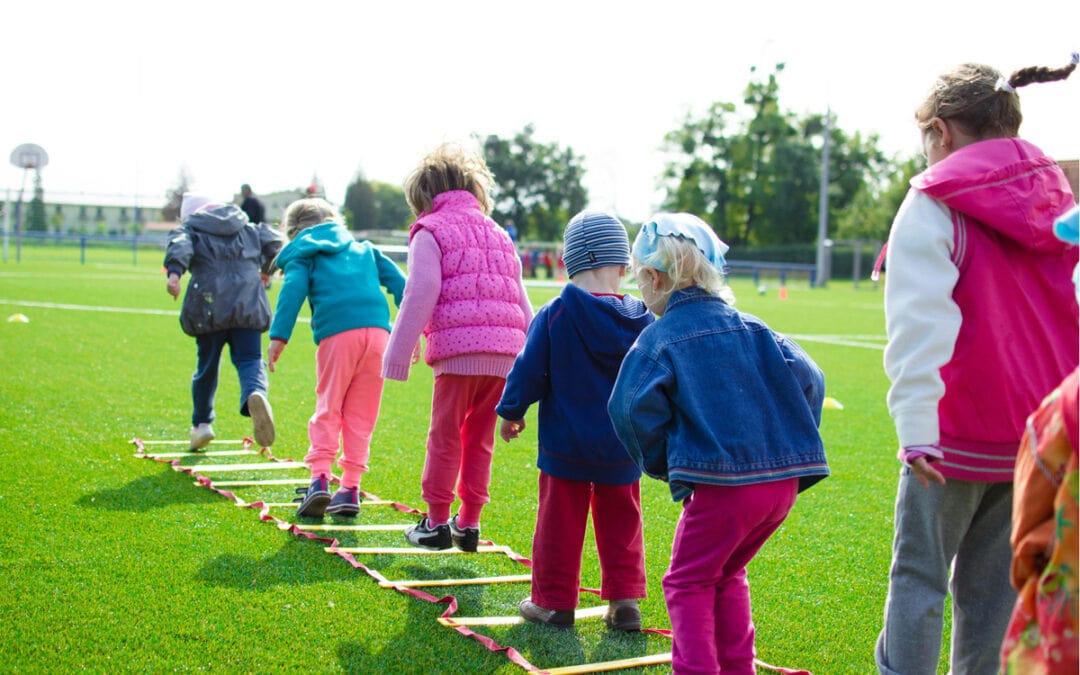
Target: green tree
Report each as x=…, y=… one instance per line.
x=35, y=215
x=392, y=210
x=538, y=185
x=871, y=211
x=360, y=204
x=755, y=177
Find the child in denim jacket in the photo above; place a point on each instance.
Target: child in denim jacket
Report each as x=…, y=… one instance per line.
x=726, y=411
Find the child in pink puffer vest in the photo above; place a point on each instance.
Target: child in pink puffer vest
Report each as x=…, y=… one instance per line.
x=465, y=294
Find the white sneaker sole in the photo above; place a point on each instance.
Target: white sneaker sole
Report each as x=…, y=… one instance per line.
x=200, y=441
x=262, y=418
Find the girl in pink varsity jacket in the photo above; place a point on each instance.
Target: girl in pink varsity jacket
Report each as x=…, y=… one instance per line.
x=465, y=294
x=976, y=338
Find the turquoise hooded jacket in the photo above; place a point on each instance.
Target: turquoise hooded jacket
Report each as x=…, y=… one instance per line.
x=342, y=279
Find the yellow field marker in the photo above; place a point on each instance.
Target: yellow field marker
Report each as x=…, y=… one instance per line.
x=452, y=621
x=260, y=466
x=471, y=581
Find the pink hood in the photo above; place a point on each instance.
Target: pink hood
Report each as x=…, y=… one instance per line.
x=1008, y=185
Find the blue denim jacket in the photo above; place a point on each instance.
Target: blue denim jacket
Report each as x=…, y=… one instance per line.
x=710, y=395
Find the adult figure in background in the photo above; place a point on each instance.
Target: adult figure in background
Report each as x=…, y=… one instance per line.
x=251, y=205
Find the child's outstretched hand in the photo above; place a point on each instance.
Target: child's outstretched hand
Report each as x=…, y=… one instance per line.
x=511, y=429
x=273, y=352
x=173, y=286
x=925, y=472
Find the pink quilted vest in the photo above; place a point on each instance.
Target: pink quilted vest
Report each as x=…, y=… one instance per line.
x=479, y=310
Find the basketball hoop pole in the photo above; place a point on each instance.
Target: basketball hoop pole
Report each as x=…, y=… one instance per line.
x=18, y=217
x=26, y=156
x=7, y=220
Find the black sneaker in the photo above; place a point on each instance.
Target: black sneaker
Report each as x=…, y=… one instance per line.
x=345, y=502
x=432, y=538
x=316, y=497
x=465, y=538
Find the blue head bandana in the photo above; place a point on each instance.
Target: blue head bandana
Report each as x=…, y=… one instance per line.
x=1067, y=229
x=682, y=225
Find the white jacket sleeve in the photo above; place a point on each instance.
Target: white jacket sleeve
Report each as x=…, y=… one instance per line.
x=922, y=320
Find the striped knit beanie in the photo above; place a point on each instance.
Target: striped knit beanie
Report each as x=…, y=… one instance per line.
x=594, y=239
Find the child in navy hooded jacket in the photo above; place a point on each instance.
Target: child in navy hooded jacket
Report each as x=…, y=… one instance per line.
x=229, y=261
x=571, y=357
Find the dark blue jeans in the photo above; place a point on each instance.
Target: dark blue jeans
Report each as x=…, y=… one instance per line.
x=245, y=350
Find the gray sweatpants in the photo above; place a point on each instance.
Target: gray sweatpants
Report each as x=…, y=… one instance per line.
x=964, y=525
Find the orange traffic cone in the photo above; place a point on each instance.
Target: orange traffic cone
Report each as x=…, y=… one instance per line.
x=783, y=293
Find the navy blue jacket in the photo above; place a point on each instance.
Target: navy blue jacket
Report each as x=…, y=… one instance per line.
x=571, y=358
x=711, y=395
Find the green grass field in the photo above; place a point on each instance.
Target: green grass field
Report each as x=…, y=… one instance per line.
x=112, y=562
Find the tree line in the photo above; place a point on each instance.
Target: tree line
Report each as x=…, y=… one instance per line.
x=750, y=169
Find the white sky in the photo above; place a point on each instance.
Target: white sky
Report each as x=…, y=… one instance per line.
x=123, y=94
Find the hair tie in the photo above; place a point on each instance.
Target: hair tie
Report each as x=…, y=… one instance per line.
x=1075, y=58
x=1003, y=85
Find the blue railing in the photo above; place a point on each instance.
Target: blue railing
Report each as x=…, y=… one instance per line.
x=756, y=267
x=159, y=241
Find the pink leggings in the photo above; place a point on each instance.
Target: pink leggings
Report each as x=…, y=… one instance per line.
x=460, y=445
x=348, y=392
x=708, y=598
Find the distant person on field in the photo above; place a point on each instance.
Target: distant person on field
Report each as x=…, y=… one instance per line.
x=726, y=411
x=466, y=296
x=982, y=324
x=252, y=205
x=343, y=281
x=572, y=354
x=229, y=259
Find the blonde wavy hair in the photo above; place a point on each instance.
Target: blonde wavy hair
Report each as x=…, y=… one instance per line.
x=685, y=265
x=449, y=167
x=303, y=213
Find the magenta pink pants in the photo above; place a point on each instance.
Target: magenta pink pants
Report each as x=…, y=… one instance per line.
x=561, y=517
x=348, y=390
x=460, y=445
x=708, y=598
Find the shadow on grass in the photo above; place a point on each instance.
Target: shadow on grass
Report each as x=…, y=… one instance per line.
x=419, y=644
x=294, y=563
x=147, y=493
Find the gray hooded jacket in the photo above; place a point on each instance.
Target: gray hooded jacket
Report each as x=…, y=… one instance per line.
x=224, y=254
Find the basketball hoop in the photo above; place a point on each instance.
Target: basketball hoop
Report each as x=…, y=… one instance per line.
x=29, y=156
